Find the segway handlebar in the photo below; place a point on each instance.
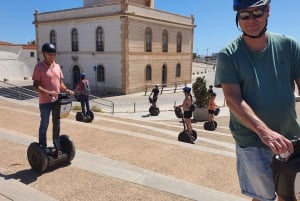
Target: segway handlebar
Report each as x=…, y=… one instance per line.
x=286, y=156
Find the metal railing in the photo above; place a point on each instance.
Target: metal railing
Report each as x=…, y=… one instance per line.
x=169, y=87
x=9, y=90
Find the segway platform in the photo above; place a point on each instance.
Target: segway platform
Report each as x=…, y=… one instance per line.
x=85, y=118
x=40, y=158
x=286, y=174
x=154, y=111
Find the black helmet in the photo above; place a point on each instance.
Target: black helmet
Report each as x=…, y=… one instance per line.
x=187, y=89
x=242, y=4
x=48, y=47
x=82, y=75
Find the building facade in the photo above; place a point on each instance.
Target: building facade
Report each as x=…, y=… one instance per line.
x=17, y=61
x=121, y=45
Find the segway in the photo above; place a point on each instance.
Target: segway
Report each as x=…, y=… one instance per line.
x=89, y=117
x=286, y=174
x=154, y=111
x=184, y=135
x=40, y=158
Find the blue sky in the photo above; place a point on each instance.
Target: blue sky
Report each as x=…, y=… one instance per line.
x=215, y=19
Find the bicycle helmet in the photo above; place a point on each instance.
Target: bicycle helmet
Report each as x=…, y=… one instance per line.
x=48, y=47
x=243, y=4
x=82, y=75
x=187, y=89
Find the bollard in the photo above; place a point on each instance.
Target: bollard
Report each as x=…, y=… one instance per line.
x=134, y=107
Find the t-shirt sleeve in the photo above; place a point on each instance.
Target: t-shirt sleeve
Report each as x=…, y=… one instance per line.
x=226, y=72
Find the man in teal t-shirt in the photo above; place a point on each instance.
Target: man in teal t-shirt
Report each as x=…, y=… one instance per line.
x=257, y=73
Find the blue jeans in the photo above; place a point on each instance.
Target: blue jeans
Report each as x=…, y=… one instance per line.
x=45, y=110
x=255, y=172
x=84, y=101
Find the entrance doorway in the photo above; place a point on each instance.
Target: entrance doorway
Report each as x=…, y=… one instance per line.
x=164, y=75
x=76, y=76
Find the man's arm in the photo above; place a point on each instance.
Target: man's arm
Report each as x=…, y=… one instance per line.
x=239, y=107
x=37, y=86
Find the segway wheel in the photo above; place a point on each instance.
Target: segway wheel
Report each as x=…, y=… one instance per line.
x=37, y=157
x=89, y=117
x=154, y=111
x=194, y=134
x=210, y=126
x=67, y=146
x=79, y=116
x=184, y=137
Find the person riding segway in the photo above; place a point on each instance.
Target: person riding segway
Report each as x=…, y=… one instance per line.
x=154, y=110
x=211, y=125
x=188, y=134
x=48, y=81
x=83, y=90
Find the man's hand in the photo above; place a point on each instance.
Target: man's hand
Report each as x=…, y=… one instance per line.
x=277, y=143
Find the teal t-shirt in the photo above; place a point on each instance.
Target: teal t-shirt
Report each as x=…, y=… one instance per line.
x=266, y=79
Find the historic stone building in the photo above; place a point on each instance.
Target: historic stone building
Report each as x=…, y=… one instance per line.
x=121, y=45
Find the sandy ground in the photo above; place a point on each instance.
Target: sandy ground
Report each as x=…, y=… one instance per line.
x=148, y=144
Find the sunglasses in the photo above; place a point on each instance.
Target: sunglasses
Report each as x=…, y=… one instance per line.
x=258, y=13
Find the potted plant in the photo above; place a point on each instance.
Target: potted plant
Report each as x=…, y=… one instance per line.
x=201, y=99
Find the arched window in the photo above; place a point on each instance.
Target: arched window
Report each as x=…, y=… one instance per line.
x=100, y=73
x=165, y=41
x=148, y=40
x=74, y=38
x=178, y=70
x=179, y=42
x=148, y=73
x=53, y=37
x=99, y=39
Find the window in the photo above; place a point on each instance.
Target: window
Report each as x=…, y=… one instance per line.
x=178, y=70
x=99, y=39
x=31, y=54
x=148, y=3
x=53, y=37
x=165, y=41
x=179, y=42
x=148, y=72
x=100, y=73
x=148, y=40
x=74, y=38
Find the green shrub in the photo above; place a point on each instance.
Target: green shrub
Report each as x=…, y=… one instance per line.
x=200, y=92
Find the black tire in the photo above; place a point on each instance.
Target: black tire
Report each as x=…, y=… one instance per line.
x=154, y=111
x=37, y=157
x=79, y=116
x=67, y=146
x=194, y=134
x=210, y=126
x=89, y=117
x=183, y=137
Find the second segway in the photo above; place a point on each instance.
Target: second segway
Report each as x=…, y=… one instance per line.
x=184, y=136
x=40, y=158
x=154, y=111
